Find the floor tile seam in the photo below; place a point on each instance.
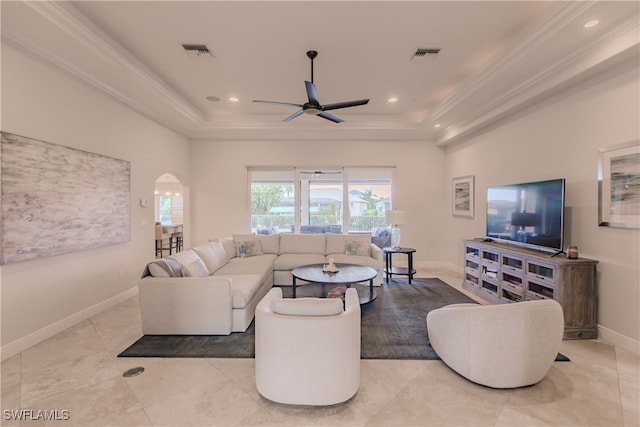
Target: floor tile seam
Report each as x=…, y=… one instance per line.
x=263, y=405
x=147, y=415
x=388, y=402
x=192, y=384
x=18, y=384
x=620, y=391
x=230, y=377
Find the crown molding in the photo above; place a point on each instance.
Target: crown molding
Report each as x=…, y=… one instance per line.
x=521, y=50
x=544, y=78
x=67, y=18
x=604, y=49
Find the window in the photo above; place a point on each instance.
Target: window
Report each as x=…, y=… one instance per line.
x=168, y=200
x=169, y=208
x=321, y=201
x=333, y=200
x=272, y=201
x=369, y=192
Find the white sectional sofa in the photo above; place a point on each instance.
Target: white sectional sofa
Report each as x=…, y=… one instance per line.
x=213, y=289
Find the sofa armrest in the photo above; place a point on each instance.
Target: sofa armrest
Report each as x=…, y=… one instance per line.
x=185, y=305
x=377, y=254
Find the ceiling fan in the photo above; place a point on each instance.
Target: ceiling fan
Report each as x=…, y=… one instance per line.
x=313, y=105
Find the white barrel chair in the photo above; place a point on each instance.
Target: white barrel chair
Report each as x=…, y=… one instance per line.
x=307, y=349
x=500, y=346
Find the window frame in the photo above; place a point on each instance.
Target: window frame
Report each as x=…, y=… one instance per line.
x=380, y=173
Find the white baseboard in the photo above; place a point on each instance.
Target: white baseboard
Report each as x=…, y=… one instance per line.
x=21, y=344
x=619, y=340
x=437, y=265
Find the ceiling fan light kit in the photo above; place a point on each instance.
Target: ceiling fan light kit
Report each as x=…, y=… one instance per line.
x=313, y=106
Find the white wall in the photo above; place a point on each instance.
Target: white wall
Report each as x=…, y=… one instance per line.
x=42, y=297
x=557, y=139
x=220, y=188
x=560, y=139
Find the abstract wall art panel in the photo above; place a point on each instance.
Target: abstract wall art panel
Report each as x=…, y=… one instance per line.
x=57, y=200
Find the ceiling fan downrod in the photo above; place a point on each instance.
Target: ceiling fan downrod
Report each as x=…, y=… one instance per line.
x=312, y=55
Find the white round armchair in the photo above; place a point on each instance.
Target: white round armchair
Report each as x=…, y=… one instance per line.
x=500, y=346
x=308, y=349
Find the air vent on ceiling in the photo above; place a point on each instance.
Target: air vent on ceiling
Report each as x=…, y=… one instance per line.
x=197, y=49
x=426, y=53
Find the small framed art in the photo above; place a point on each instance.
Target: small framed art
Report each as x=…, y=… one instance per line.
x=463, y=195
x=619, y=185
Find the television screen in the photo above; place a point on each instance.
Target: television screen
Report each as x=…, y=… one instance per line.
x=529, y=214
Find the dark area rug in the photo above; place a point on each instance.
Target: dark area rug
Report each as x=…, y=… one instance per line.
x=393, y=327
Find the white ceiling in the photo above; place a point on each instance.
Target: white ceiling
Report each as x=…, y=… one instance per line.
x=496, y=58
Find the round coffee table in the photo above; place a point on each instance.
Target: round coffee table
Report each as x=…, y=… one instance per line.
x=347, y=275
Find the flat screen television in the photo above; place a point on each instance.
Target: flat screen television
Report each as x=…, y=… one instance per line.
x=529, y=214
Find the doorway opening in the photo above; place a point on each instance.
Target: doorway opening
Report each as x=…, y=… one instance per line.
x=168, y=214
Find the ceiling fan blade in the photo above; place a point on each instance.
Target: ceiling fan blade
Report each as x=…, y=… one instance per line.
x=346, y=104
x=312, y=93
x=294, y=115
x=279, y=103
x=330, y=117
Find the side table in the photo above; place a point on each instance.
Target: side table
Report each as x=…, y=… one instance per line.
x=391, y=270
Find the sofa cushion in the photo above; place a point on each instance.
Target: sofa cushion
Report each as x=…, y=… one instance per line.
x=195, y=269
x=302, y=243
x=351, y=244
x=228, y=245
x=243, y=288
x=290, y=261
x=247, y=245
x=213, y=255
x=185, y=257
x=270, y=244
x=261, y=264
x=307, y=306
x=165, y=267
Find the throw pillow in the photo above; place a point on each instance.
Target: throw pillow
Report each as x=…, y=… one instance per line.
x=248, y=248
x=247, y=245
x=195, y=269
x=166, y=267
x=355, y=247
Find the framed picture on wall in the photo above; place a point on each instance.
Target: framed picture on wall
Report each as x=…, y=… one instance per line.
x=463, y=195
x=619, y=185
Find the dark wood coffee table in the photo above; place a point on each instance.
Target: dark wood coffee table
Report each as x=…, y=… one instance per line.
x=348, y=275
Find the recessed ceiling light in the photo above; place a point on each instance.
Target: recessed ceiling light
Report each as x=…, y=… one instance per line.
x=592, y=23
x=437, y=125
x=392, y=99
x=234, y=99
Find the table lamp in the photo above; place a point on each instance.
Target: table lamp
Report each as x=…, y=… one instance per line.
x=395, y=219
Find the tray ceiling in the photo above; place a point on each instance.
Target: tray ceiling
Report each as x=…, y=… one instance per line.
x=495, y=58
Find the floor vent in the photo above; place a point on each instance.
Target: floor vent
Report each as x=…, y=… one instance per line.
x=133, y=372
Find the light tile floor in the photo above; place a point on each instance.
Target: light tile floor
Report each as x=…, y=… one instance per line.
x=78, y=371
